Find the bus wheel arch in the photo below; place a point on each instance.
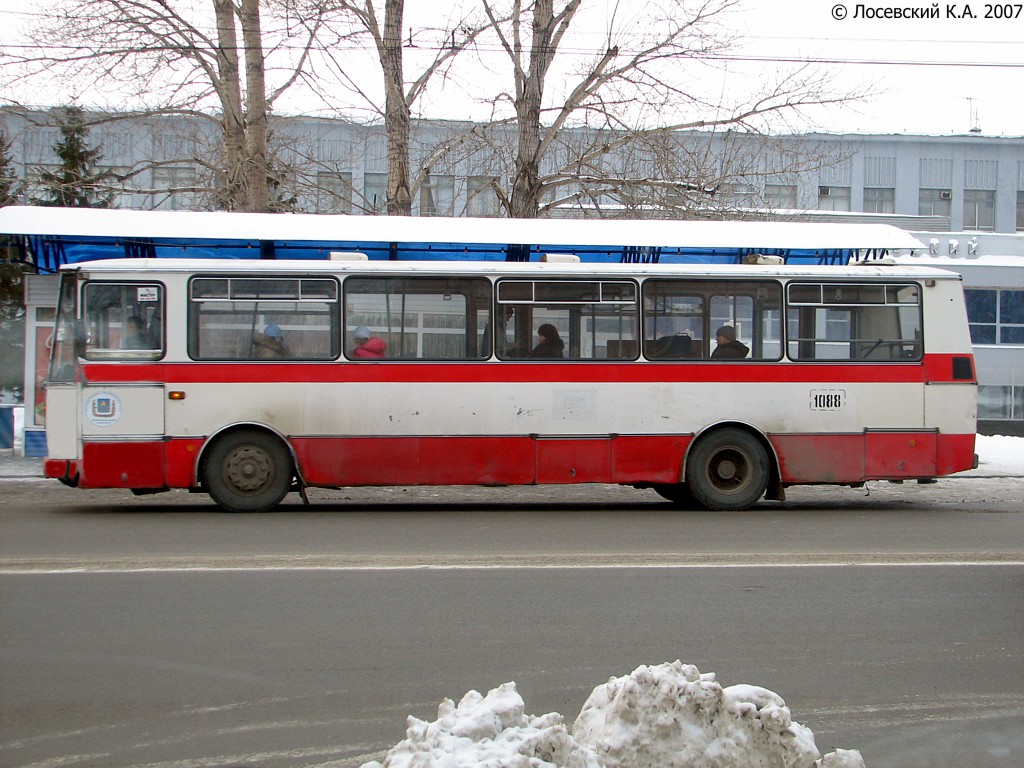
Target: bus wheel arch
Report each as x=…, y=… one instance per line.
x=247, y=468
x=730, y=466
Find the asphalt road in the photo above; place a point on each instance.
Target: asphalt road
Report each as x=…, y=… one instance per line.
x=161, y=632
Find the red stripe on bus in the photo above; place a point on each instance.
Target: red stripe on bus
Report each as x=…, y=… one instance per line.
x=934, y=368
x=528, y=460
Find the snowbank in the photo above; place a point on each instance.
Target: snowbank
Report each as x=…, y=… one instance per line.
x=666, y=716
x=998, y=456
x=488, y=731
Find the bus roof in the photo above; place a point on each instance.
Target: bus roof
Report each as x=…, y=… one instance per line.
x=860, y=270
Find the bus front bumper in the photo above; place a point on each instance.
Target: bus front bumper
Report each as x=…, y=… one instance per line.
x=65, y=470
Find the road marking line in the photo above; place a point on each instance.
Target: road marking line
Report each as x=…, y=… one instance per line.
x=616, y=561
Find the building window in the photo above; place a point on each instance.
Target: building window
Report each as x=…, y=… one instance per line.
x=1000, y=403
x=481, y=199
x=1020, y=211
x=980, y=209
x=935, y=202
x=375, y=192
x=333, y=192
x=738, y=195
x=995, y=316
x=437, y=196
x=117, y=182
x=780, y=196
x=833, y=198
x=879, y=200
x=38, y=144
x=177, y=185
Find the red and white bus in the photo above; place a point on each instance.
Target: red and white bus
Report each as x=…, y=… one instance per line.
x=248, y=380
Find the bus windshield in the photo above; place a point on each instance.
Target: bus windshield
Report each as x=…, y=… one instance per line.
x=62, y=354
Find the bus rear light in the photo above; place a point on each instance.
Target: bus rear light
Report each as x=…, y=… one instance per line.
x=175, y=394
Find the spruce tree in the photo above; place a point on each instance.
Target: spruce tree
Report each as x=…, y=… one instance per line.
x=10, y=188
x=12, y=305
x=76, y=182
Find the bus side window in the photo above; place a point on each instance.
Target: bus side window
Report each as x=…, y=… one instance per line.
x=416, y=318
x=569, y=319
x=123, y=321
x=683, y=318
x=280, y=318
x=848, y=321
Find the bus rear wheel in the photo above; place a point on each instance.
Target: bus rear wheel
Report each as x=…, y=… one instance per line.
x=248, y=471
x=727, y=470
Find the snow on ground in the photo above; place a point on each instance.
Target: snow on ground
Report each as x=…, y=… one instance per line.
x=998, y=456
x=665, y=716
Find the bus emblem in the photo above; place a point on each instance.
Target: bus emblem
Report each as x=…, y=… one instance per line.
x=103, y=409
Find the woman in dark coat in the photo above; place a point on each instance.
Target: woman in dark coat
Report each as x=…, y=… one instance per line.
x=551, y=344
x=728, y=347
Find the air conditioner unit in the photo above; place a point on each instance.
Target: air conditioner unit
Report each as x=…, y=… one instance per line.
x=824, y=191
x=945, y=194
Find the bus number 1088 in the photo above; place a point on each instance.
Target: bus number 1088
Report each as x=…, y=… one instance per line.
x=827, y=399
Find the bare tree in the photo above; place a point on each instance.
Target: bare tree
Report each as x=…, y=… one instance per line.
x=401, y=94
x=639, y=90
x=209, y=62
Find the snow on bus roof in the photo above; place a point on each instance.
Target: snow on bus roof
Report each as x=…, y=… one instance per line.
x=299, y=227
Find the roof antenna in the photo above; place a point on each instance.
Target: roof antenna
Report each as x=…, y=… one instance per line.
x=975, y=125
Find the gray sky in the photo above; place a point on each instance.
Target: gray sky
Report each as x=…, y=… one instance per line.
x=938, y=75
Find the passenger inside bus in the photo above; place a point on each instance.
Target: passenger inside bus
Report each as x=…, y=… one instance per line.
x=368, y=347
x=135, y=336
x=728, y=347
x=550, y=345
x=678, y=345
x=270, y=344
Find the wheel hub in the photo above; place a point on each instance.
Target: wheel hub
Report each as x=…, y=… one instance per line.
x=248, y=469
x=728, y=471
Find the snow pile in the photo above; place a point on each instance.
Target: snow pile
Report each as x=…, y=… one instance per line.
x=673, y=716
x=488, y=731
x=668, y=716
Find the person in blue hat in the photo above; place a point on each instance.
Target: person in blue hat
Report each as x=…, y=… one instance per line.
x=270, y=344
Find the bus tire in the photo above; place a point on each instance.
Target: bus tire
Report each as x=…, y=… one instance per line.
x=248, y=471
x=728, y=470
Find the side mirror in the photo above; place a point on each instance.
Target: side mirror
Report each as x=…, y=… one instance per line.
x=80, y=339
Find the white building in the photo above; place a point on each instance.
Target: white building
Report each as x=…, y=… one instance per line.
x=968, y=182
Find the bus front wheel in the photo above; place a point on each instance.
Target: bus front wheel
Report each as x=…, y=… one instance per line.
x=248, y=471
x=727, y=470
